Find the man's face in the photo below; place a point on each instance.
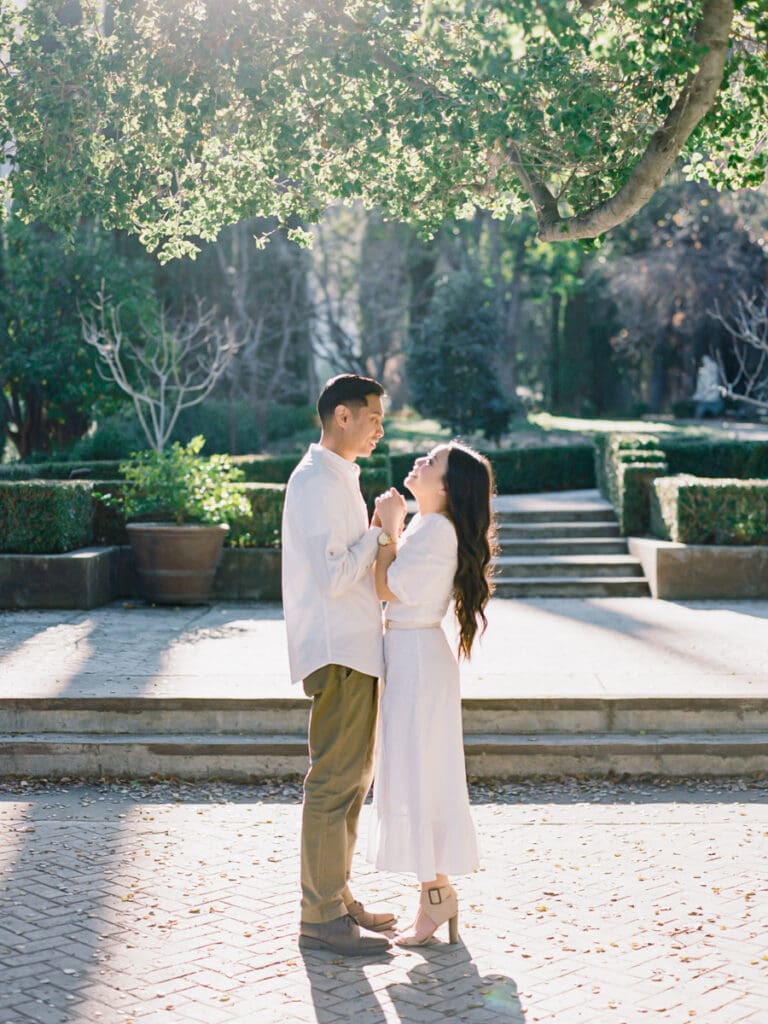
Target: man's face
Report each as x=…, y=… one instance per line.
x=364, y=428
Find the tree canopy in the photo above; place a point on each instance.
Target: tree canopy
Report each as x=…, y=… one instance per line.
x=174, y=118
x=50, y=388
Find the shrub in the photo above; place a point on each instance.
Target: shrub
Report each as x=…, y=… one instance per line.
x=108, y=515
x=226, y=427
x=180, y=486
x=374, y=479
x=257, y=524
x=286, y=420
x=17, y=471
x=546, y=468
x=695, y=510
x=261, y=526
x=744, y=460
x=683, y=409
x=633, y=500
x=114, y=438
x=526, y=470
x=625, y=465
x=276, y=469
x=45, y=518
x=623, y=458
x=452, y=359
x=59, y=470
x=266, y=469
x=606, y=451
x=400, y=466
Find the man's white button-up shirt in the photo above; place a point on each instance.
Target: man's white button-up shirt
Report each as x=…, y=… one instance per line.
x=332, y=614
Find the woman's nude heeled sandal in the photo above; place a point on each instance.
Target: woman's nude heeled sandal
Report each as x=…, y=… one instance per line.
x=439, y=904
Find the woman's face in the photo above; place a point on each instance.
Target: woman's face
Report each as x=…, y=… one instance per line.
x=427, y=478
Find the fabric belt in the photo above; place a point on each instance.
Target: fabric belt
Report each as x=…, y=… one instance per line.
x=390, y=624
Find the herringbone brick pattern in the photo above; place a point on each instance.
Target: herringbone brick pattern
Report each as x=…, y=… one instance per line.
x=178, y=905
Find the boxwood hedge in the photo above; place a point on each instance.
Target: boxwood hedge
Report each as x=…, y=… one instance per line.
x=700, y=510
x=41, y=517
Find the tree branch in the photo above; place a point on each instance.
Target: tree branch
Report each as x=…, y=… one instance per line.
x=695, y=100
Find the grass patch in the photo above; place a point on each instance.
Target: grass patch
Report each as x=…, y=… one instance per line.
x=548, y=423
x=406, y=431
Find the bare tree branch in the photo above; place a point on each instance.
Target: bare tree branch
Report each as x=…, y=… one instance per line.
x=747, y=325
x=173, y=366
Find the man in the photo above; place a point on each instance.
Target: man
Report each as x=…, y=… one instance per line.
x=333, y=620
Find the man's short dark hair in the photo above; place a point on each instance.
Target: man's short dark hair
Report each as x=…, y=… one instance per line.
x=347, y=389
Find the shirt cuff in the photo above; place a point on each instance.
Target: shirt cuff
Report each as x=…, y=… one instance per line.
x=371, y=537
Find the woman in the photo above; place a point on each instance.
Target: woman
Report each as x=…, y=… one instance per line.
x=421, y=820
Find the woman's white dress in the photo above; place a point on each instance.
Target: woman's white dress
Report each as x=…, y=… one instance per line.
x=420, y=819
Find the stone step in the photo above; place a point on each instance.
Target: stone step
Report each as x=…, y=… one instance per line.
x=536, y=531
x=113, y=716
x=643, y=716
x=560, y=515
x=245, y=758
x=578, y=566
x=141, y=755
x=566, y=546
x=564, y=586
x=217, y=718
x=669, y=754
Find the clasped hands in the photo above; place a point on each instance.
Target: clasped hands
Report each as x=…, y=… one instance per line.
x=390, y=511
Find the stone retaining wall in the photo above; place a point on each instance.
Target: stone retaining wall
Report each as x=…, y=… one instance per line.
x=697, y=571
x=95, y=576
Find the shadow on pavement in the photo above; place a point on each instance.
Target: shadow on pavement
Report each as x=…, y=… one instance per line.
x=340, y=988
x=448, y=982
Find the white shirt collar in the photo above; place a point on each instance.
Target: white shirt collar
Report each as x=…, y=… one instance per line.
x=334, y=461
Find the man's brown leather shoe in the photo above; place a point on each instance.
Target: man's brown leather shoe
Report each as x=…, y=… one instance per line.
x=371, y=922
x=342, y=936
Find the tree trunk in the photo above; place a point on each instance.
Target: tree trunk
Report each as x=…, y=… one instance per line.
x=555, y=344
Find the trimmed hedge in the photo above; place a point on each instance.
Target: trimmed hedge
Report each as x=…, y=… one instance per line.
x=653, y=456
x=60, y=470
x=696, y=510
x=612, y=449
x=400, y=465
x=545, y=468
x=108, y=522
x=266, y=469
x=373, y=482
x=625, y=465
x=37, y=517
x=526, y=470
x=744, y=460
x=633, y=486
x=517, y=470
x=262, y=528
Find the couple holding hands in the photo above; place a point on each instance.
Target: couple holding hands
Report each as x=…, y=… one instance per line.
x=337, y=570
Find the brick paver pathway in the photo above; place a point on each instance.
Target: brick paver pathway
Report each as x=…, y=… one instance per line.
x=176, y=904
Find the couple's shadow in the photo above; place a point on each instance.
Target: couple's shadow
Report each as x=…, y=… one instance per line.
x=442, y=979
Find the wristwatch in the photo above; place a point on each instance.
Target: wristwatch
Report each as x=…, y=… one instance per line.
x=384, y=539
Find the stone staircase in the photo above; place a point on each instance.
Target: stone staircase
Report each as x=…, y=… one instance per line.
x=562, y=549
x=245, y=739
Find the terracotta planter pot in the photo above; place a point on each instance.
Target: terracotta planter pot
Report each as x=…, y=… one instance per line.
x=176, y=564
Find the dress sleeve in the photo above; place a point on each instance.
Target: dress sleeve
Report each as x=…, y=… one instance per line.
x=425, y=563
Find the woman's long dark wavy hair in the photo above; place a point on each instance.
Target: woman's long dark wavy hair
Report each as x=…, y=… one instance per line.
x=469, y=486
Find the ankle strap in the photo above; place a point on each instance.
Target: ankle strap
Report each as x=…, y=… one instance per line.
x=435, y=895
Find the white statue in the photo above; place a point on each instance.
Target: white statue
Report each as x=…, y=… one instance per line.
x=707, y=394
